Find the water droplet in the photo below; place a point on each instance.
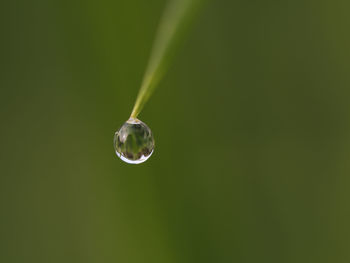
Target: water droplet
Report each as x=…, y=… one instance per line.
x=133, y=142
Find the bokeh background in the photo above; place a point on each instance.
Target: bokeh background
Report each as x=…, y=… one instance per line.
x=251, y=125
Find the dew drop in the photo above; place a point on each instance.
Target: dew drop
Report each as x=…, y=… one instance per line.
x=133, y=142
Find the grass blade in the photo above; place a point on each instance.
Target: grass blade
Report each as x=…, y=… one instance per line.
x=174, y=23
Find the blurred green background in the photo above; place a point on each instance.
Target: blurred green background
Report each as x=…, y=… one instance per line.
x=251, y=125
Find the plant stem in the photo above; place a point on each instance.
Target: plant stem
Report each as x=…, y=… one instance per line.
x=174, y=23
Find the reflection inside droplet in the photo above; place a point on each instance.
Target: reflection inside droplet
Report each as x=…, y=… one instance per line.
x=133, y=142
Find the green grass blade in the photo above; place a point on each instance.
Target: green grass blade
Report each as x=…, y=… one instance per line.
x=174, y=23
